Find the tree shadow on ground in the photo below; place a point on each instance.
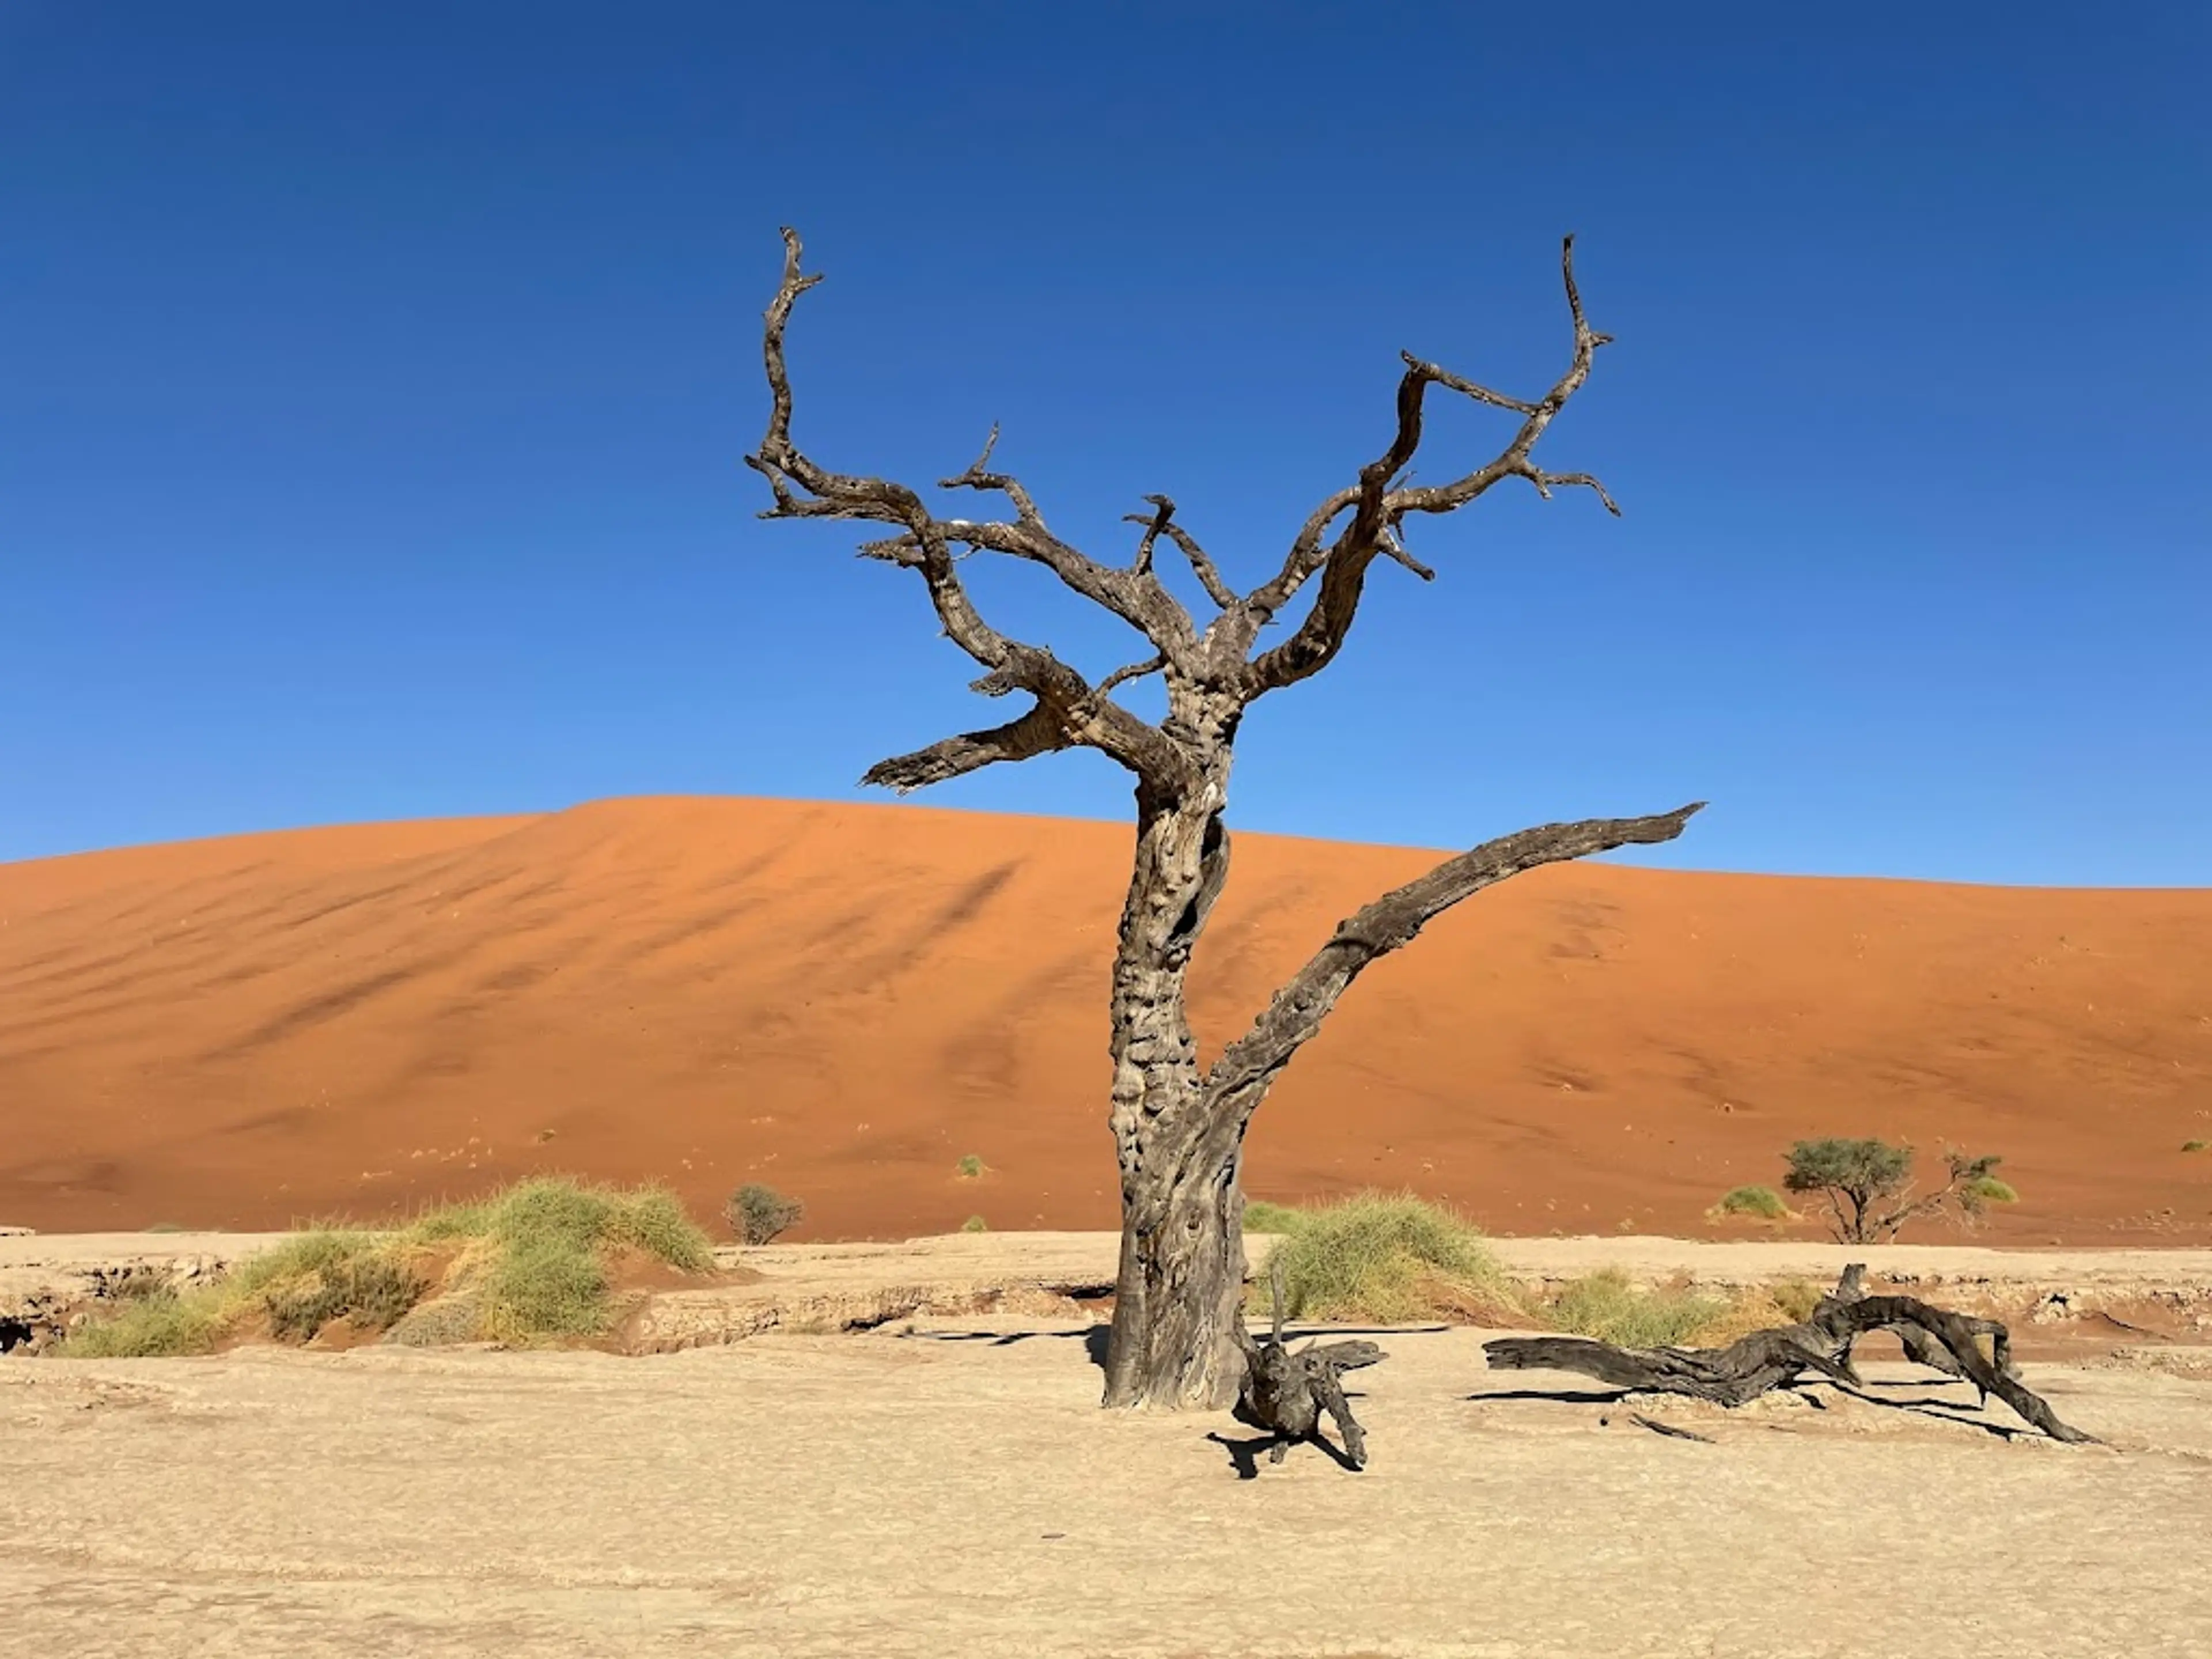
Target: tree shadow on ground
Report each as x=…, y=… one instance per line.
x=1244, y=1455
x=1094, y=1340
x=1096, y=1337
x=1935, y=1406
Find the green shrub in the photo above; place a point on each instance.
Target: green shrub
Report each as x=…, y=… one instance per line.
x=531, y=1265
x=757, y=1213
x=158, y=1326
x=301, y=1256
x=975, y=1224
x=546, y=1276
x=2194, y=1145
x=1763, y=1203
x=544, y=1285
x=1381, y=1256
x=1606, y=1306
x=970, y=1168
x=1261, y=1217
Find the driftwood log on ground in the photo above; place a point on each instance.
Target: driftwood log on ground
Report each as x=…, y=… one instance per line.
x=1765, y=1360
x=1285, y=1393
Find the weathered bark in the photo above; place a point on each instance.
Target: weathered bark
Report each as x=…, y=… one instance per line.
x=1178, y=1134
x=1178, y=1295
x=1286, y=1394
x=1765, y=1360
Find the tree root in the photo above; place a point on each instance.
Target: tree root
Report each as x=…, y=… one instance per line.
x=1765, y=1360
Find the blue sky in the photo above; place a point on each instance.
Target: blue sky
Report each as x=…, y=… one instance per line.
x=373, y=382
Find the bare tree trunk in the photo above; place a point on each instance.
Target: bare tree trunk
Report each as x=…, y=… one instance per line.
x=1178, y=1301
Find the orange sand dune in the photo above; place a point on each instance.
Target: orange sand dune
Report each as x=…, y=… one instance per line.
x=843, y=1000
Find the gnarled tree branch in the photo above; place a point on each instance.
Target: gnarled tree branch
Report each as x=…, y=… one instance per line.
x=1378, y=503
x=803, y=489
x=1161, y=521
x=1037, y=732
x=1248, y=1066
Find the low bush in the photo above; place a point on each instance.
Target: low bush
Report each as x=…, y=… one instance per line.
x=526, y=1265
x=1261, y=1217
x=970, y=1168
x=1607, y=1306
x=975, y=1224
x=1377, y=1255
x=1761, y=1203
x=757, y=1213
x=372, y=1291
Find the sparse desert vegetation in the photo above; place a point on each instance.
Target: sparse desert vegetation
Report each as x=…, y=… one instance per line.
x=758, y=1214
x=1868, y=1186
x=1375, y=1256
x=1759, y=1203
x=1396, y=1258
x=534, y=1263
x=970, y=1168
x=1609, y=1306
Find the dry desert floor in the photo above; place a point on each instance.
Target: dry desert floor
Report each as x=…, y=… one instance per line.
x=946, y=1484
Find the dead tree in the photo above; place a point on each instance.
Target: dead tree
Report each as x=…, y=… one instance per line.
x=1287, y=1392
x=1765, y=1360
x=1179, y=1129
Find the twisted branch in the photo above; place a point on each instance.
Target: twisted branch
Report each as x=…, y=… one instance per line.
x=1160, y=521
x=1068, y=712
x=1378, y=505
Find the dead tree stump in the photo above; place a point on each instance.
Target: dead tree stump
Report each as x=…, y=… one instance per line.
x=1285, y=1393
x=1765, y=1360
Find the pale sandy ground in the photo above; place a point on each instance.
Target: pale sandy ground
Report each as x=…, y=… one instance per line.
x=948, y=1492
x=948, y=1486
x=1082, y=1261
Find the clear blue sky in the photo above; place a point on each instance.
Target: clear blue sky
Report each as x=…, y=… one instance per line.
x=373, y=382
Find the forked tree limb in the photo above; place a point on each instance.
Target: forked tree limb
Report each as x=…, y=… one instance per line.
x=1378, y=502
x=1765, y=1360
x=803, y=489
x=1249, y=1064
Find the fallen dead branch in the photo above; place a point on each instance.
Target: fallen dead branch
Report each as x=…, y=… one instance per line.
x=1765, y=1360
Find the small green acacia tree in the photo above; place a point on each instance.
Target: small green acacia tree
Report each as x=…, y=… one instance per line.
x=1868, y=1186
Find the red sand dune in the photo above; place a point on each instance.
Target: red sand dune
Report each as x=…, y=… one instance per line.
x=844, y=1000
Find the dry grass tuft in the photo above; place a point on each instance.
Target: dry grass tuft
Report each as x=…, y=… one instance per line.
x=525, y=1265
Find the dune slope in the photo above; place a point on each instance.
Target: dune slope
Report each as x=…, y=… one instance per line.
x=845, y=1000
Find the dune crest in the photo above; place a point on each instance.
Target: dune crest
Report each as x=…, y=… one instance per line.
x=844, y=1000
